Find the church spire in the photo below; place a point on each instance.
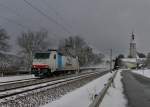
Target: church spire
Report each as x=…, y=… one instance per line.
x=132, y=50
x=133, y=36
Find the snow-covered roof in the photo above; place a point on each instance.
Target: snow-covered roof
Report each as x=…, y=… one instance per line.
x=129, y=59
x=133, y=60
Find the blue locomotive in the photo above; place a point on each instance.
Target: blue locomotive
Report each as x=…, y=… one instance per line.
x=53, y=62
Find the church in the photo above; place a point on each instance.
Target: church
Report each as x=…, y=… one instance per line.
x=132, y=50
x=131, y=61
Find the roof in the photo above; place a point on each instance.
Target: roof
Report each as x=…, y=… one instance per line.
x=129, y=59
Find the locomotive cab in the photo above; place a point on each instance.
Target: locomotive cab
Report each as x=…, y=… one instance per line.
x=45, y=63
x=40, y=65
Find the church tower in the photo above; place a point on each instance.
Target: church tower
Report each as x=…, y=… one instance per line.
x=132, y=51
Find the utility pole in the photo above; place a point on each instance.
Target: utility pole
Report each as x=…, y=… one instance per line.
x=111, y=60
x=78, y=66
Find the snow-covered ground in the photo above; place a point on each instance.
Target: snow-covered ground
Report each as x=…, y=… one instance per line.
x=144, y=72
x=115, y=96
x=102, y=65
x=13, y=78
x=82, y=97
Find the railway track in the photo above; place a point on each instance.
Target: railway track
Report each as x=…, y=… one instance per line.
x=26, y=82
x=16, y=81
x=5, y=86
x=13, y=93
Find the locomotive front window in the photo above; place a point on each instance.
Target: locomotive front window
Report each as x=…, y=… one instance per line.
x=42, y=55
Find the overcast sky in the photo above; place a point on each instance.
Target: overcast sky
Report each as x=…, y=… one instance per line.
x=104, y=24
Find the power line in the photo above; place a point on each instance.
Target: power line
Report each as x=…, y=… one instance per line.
x=14, y=11
x=15, y=22
x=57, y=14
x=10, y=20
x=10, y=9
x=19, y=24
x=47, y=16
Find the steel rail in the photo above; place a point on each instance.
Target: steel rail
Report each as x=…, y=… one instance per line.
x=16, y=81
x=51, y=84
x=15, y=85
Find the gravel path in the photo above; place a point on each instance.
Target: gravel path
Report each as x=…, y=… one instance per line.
x=137, y=89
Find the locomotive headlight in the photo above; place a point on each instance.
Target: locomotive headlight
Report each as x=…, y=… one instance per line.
x=33, y=66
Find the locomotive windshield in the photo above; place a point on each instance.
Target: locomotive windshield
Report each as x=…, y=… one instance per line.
x=42, y=55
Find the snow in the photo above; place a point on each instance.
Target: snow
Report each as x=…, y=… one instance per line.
x=144, y=72
x=115, y=96
x=102, y=65
x=129, y=60
x=13, y=78
x=81, y=97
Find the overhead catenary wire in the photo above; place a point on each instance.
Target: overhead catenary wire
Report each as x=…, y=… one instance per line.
x=15, y=22
x=10, y=9
x=14, y=11
x=57, y=14
x=47, y=16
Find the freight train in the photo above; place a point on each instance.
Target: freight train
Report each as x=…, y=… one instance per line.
x=53, y=62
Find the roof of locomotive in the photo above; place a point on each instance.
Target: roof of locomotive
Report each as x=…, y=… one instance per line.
x=56, y=50
x=51, y=50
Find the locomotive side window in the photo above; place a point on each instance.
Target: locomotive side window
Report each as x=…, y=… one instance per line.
x=55, y=56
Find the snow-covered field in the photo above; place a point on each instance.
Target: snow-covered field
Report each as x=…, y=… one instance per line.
x=102, y=65
x=114, y=96
x=81, y=97
x=145, y=72
x=13, y=78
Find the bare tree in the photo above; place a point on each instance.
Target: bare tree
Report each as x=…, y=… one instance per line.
x=76, y=46
x=31, y=42
x=73, y=46
x=141, y=55
x=4, y=46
